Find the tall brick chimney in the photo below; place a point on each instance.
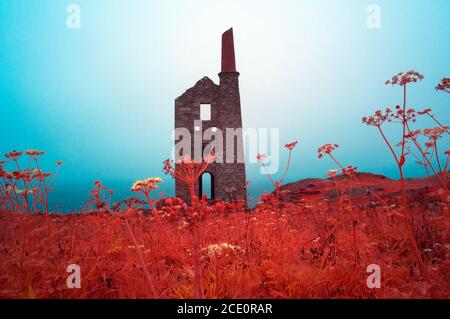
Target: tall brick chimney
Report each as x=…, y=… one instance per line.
x=228, y=57
x=232, y=173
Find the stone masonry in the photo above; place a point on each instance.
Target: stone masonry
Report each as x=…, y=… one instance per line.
x=228, y=180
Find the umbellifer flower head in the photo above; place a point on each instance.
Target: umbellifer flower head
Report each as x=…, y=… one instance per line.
x=261, y=157
x=350, y=170
x=326, y=149
x=332, y=172
x=435, y=133
x=146, y=185
x=34, y=154
x=404, y=78
x=444, y=85
x=291, y=146
x=14, y=155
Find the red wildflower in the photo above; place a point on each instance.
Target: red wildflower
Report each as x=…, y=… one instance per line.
x=17, y=174
x=291, y=146
x=408, y=115
x=28, y=174
x=332, y=172
x=41, y=175
x=326, y=149
x=14, y=155
x=261, y=157
x=187, y=170
x=403, y=78
x=34, y=154
x=147, y=185
x=379, y=117
x=413, y=134
x=350, y=170
x=425, y=111
x=435, y=132
x=444, y=85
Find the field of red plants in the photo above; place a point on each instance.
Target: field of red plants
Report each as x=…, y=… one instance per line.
x=311, y=239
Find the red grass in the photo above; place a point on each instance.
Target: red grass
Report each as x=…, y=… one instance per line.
x=304, y=252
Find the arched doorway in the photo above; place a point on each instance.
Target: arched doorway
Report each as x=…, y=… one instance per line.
x=207, y=185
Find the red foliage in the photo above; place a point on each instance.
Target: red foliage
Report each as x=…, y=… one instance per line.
x=25, y=190
x=303, y=252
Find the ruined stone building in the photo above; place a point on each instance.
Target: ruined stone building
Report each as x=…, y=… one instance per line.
x=216, y=107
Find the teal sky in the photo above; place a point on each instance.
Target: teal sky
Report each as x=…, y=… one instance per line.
x=101, y=98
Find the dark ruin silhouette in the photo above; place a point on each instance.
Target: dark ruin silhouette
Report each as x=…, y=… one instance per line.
x=228, y=179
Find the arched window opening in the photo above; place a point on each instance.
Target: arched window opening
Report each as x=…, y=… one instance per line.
x=207, y=185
